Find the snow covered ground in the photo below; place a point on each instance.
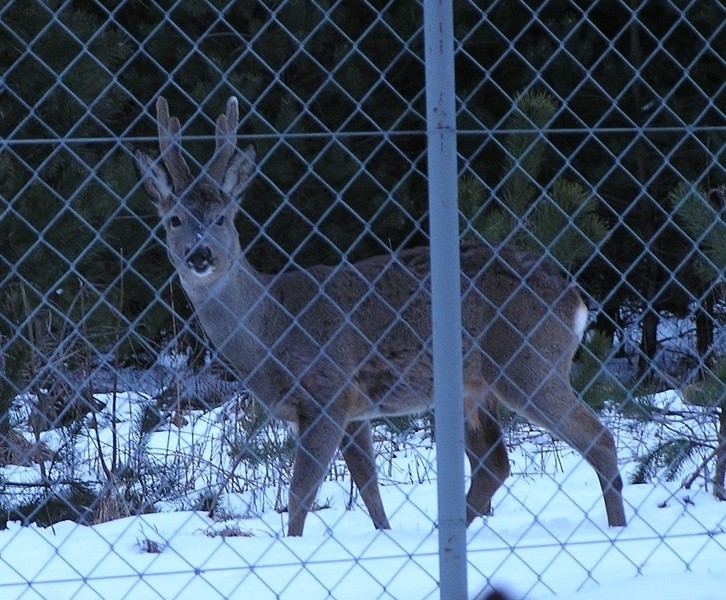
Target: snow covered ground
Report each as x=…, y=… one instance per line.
x=547, y=536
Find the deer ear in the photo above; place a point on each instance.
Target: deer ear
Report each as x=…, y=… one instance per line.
x=155, y=179
x=239, y=173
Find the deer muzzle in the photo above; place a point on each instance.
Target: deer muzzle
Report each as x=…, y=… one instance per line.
x=200, y=260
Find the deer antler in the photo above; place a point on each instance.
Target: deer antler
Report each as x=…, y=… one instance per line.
x=226, y=141
x=169, y=146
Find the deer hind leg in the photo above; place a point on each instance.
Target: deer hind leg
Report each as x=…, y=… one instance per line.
x=487, y=456
x=584, y=431
x=357, y=449
x=555, y=406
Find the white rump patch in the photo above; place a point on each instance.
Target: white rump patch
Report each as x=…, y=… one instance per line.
x=580, y=321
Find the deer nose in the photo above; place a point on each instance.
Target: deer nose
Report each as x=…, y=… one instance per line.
x=199, y=258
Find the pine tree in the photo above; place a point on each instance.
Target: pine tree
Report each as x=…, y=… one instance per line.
x=699, y=214
x=81, y=83
x=700, y=218
x=695, y=212
x=619, y=73
x=332, y=94
x=54, y=201
x=561, y=222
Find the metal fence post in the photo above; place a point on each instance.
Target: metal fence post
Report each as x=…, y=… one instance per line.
x=446, y=296
x=557, y=137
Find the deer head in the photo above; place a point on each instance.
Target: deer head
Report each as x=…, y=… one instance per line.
x=198, y=213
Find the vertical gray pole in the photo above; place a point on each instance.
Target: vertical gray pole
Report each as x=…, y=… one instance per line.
x=446, y=296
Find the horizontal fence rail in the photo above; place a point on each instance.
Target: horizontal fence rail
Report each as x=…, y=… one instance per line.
x=162, y=436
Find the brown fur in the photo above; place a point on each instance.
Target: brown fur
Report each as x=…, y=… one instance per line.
x=330, y=348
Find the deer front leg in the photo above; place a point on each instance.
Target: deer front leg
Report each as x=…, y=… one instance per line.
x=320, y=435
x=357, y=448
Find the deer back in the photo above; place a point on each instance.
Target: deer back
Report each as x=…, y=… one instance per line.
x=371, y=322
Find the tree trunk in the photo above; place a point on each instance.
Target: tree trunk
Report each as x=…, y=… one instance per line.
x=719, y=485
x=648, y=343
x=646, y=216
x=704, y=330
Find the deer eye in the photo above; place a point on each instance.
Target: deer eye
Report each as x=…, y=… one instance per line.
x=220, y=220
x=174, y=221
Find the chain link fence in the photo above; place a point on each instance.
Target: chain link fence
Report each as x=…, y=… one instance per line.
x=134, y=461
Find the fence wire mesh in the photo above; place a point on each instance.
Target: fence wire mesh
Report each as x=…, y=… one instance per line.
x=134, y=460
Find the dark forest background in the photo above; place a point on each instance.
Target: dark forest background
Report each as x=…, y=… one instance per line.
x=607, y=115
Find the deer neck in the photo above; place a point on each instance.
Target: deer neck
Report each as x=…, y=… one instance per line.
x=232, y=312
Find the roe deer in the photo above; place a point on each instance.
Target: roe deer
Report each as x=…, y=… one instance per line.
x=329, y=348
